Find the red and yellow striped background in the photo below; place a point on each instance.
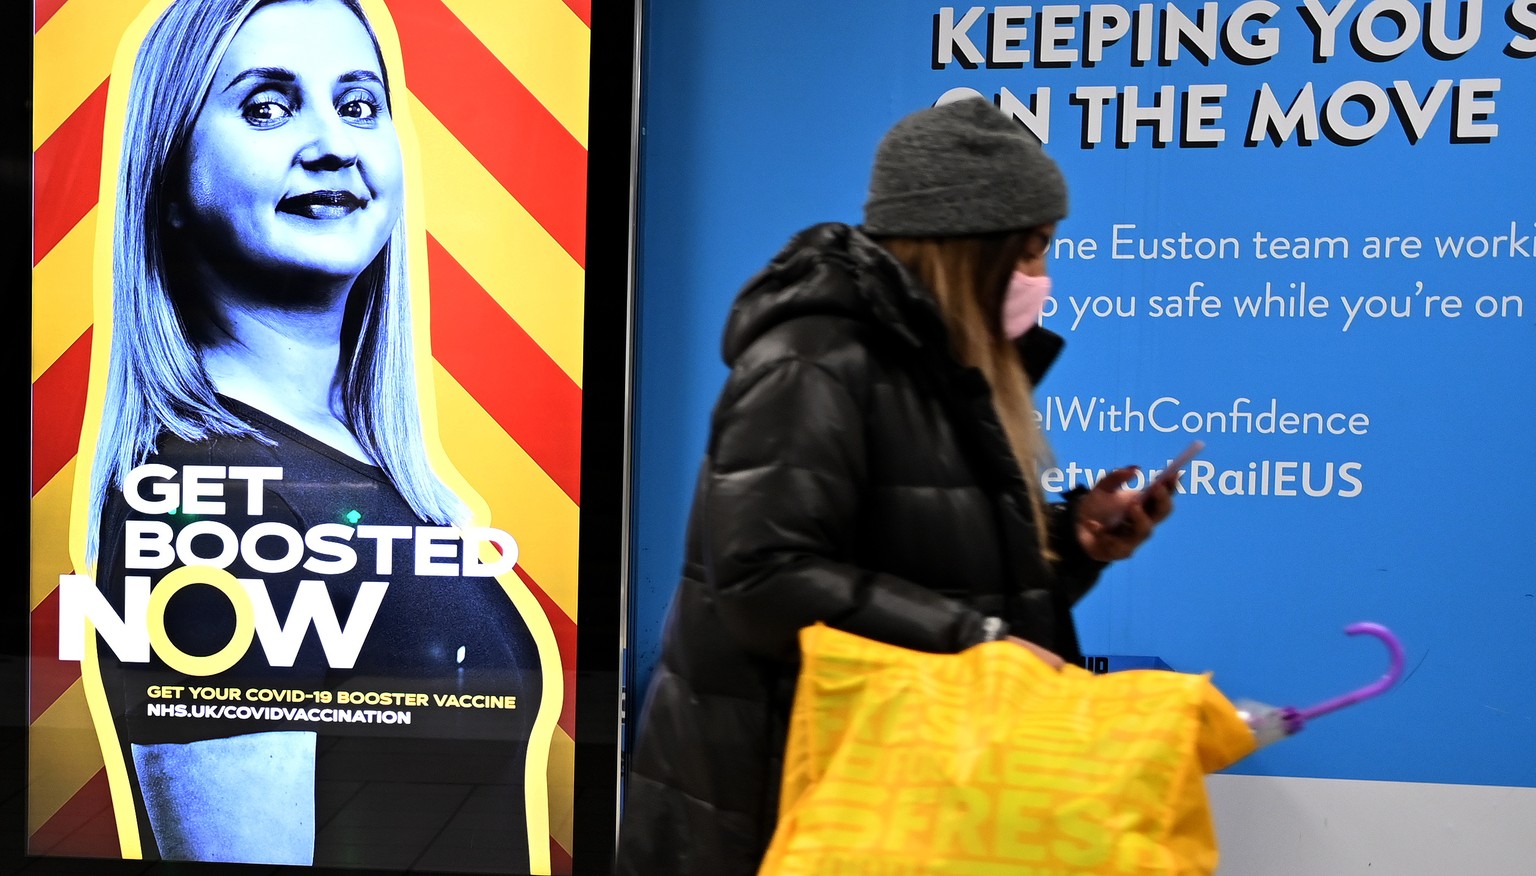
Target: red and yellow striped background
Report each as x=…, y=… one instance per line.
x=498, y=95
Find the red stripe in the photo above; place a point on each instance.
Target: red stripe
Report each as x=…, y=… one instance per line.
x=506, y=128
x=58, y=409
x=565, y=640
x=67, y=173
x=50, y=676
x=42, y=10
x=507, y=373
x=83, y=827
x=583, y=10
x=559, y=859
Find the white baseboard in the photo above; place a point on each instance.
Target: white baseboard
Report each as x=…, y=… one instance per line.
x=1278, y=826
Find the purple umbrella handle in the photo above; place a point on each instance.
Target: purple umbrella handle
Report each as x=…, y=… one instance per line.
x=1380, y=686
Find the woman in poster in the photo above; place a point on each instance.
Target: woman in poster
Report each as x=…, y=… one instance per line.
x=261, y=434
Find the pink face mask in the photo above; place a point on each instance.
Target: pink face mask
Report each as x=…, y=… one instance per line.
x=1023, y=302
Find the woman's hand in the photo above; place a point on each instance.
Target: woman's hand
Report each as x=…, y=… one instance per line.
x=1112, y=521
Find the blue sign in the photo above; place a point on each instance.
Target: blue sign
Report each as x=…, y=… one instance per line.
x=1304, y=235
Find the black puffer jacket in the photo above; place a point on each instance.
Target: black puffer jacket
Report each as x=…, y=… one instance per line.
x=857, y=475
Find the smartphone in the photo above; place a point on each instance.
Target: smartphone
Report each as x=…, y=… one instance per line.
x=1170, y=475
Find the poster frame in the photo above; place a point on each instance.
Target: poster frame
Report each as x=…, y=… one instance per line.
x=613, y=98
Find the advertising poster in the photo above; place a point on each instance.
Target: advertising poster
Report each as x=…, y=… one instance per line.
x=1301, y=233
x=307, y=347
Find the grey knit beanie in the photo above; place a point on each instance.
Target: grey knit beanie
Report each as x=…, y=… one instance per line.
x=961, y=168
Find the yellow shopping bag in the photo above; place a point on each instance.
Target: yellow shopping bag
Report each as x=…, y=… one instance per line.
x=903, y=763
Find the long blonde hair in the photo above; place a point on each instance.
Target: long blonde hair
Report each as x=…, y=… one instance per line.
x=968, y=277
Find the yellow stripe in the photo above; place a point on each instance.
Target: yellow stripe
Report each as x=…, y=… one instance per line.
x=111, y=753
x=61, y=283
x=490, y=234
x=61, y=757
x=523, y=500
x=507, y=252
x=544, y=45
x=50, y=525
x=562, y=788
x=72, y=54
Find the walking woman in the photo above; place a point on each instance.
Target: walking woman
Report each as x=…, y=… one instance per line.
x=871, y=465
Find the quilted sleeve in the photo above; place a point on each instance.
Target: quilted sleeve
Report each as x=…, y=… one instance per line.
x=780, y=503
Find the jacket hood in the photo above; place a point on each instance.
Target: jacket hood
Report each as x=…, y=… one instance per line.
x=833, y=270
x=837, y=270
